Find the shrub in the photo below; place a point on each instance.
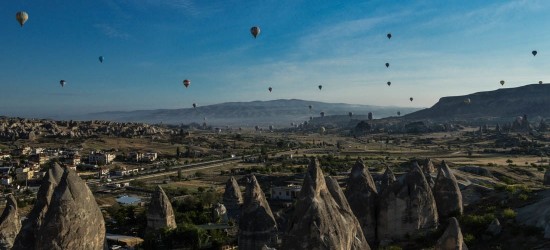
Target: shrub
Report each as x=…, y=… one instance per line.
x=509, y=213
x=469, y=238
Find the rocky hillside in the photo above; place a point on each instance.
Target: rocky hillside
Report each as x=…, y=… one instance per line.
x=263, y=113
x=532, y=100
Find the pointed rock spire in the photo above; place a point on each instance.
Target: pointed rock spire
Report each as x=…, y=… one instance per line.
x=406, y=208
x=9, y=223
x=232, y=199
x=428, y=166
x=257, y=226
x=65, y=215
x=451, y=238
x=160, y=214
x=446, y=192
x=319, y=220
x=388, y=178
x=362, y=197
x=337, y=193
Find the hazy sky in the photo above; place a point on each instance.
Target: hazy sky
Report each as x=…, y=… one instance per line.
x=438, y=48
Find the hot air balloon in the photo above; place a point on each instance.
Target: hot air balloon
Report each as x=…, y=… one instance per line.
x=186, y=83
x=534, y=52
x=320, y=87
x=350, y=114
x=398, y=113
x=255, y=31
x=62, y=82
x=467, y=101
x=389, y=83
x=270, y=89
x=387, y=65
x=101, y=59
x=540, y=82
x=389, y=35
x=411, y=99
x=322, y=130
x=322, y=114
x=502, y=82
x=194, y=105
x=22, y=17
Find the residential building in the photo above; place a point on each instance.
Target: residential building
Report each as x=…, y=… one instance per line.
x=101, y=158
x=285, y=193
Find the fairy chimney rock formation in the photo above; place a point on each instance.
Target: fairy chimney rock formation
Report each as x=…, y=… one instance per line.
x=160, y=214
x=406, y=208
x=257, y=226
x=65, y=215
x=232, y=199
x=451, y=238
x=319, y=221
x=388, y=178
x=448, y=197
x=9, y=223
x=362, y=197
x=428, y=166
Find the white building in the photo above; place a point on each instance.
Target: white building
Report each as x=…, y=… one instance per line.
x=285, y=193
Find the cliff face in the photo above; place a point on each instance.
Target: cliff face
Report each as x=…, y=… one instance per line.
x=65, y=215
x=502, y=103
x=320, y=221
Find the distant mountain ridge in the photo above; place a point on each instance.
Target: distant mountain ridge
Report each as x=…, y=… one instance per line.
x=501, y=104
x=279, y=112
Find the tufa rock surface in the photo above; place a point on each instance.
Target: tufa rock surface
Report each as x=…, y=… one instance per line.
x=388, y=178
x=448, y=197
x=451, y=238
x=362, y=197
x=428, y=166
x=494, y=228
x=9, y=223
x=546, y=180
x=232, y=199
x=257, y=226
x=65, y=215
x=320, y=221
x=160, y=213
x=406, y=208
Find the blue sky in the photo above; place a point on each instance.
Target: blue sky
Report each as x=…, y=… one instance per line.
x=438, y=48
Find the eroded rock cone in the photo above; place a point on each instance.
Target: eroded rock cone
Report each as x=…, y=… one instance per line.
x=319, y=222
x=337, y=193
x=406, y=208
x=362, y=197
x=451, y=238
x=232, y=199
x=494, y=228
x=388, y=178
x=257, y=226
x=446, y=192
x=160, y=214
x=9, y=223
x=428, y=166
x=65, y=215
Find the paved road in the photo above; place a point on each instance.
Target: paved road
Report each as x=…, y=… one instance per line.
x=173, y=170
